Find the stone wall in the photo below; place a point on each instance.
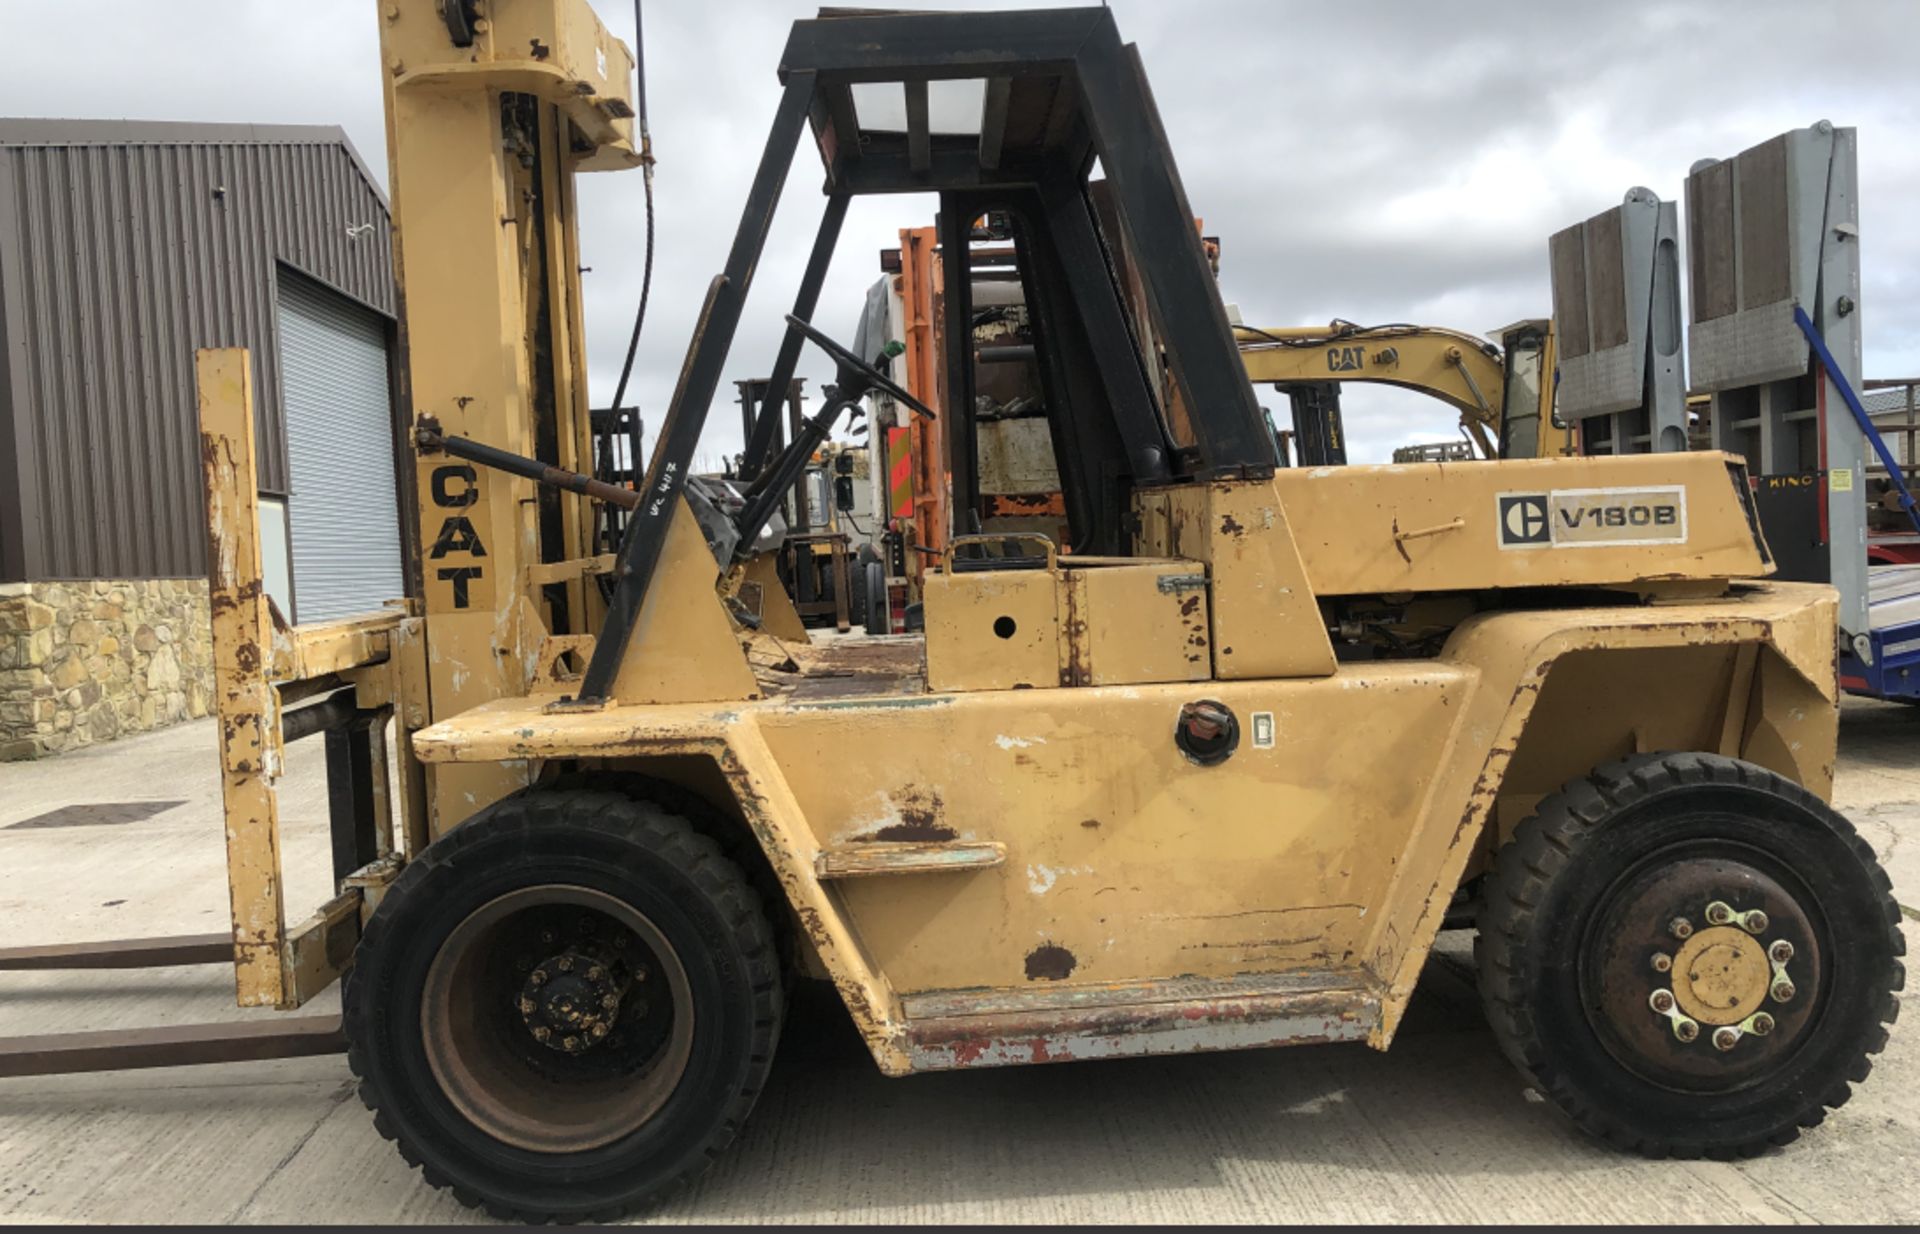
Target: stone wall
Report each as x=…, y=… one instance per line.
x=85, y=662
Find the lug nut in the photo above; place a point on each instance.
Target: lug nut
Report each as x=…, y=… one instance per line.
x=565, y=964
x=600, y=1030
x=1662, y=962
x=539, y=977
x=541, y=1034
x=1761, y=1024
x=1726, y=1038
x=526, y=1006
x=1780, y=952
x=1661, y=1001
x=1686, y=1030
x=1783, y=991
x=1718, y=914
x=1755, y=922
x=609, y=1001
x=1680, y=927
x=596, y=973
x=570, y=1044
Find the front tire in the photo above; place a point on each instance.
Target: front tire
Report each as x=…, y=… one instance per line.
x=1690, y=956
x=564, y=1007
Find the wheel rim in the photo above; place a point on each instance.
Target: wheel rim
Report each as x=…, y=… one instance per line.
x=1702, y=969
x=556, y=1018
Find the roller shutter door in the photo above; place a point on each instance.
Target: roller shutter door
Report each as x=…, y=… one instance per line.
x=342, y=513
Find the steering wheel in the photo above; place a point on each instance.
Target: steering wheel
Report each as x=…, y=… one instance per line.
x=850, y=362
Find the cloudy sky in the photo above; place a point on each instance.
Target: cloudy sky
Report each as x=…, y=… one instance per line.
x=1372, y=161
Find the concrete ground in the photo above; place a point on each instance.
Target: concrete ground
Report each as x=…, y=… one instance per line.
x=1439, y=1129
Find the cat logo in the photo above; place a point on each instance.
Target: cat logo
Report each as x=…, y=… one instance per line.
x=1523, y=520
x=1593, y=517
x=1346, y=359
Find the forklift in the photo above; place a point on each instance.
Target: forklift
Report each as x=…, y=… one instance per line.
x=1213, y=780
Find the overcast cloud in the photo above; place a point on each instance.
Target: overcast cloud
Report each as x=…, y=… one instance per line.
x=1368, y=161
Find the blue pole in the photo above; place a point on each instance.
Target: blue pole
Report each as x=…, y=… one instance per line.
x=1865, y=421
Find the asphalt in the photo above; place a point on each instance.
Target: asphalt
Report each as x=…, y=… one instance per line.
x=1437, y=1129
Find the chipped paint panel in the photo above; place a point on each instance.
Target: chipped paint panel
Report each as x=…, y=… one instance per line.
x=992, y=630
x=1145, y=1025
x=1265, y=620
x=1189, y=869
x=1515, y=652
x=905, y=812
x=301, y=653
x=1139, y=623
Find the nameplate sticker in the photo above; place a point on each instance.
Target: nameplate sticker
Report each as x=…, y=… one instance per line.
x=1593, y=517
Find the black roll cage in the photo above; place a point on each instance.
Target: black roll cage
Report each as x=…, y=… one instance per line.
x=1061, y=91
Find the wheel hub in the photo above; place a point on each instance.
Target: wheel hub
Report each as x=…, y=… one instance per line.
x=569, y=1002
x=559, y=1054
x=1720, y=975
x=1687, y=970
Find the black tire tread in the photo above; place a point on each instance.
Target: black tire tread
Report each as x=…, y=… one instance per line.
x=666, y=834
x=1546, y=841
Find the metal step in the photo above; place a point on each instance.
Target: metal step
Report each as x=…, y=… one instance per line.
x=882, y=857
x=951, y=1029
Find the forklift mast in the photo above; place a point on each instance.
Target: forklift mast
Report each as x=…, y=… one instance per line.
x=487, y=124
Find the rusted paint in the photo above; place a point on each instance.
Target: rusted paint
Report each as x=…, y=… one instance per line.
x=243, y=700
x=921, y=816
x=1230, y=526
x=1042, y=505
x=920, y=830
x=1181, y=1026
x=1050, y=962
x=1075, y=668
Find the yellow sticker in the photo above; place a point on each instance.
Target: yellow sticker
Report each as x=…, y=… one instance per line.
x=1840, y=479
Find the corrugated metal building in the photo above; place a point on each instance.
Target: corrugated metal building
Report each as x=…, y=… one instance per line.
x=124, y=246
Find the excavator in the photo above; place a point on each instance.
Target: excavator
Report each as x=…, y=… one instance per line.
x=1215, y=780
x=1505, y=406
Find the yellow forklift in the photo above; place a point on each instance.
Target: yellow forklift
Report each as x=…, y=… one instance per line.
x=1213, y=780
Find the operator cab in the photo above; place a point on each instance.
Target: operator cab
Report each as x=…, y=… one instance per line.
x=1121, y=297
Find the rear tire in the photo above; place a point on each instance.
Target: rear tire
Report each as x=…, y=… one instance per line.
x=455, y=1013
x=874, y=600
x=1662, y=859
